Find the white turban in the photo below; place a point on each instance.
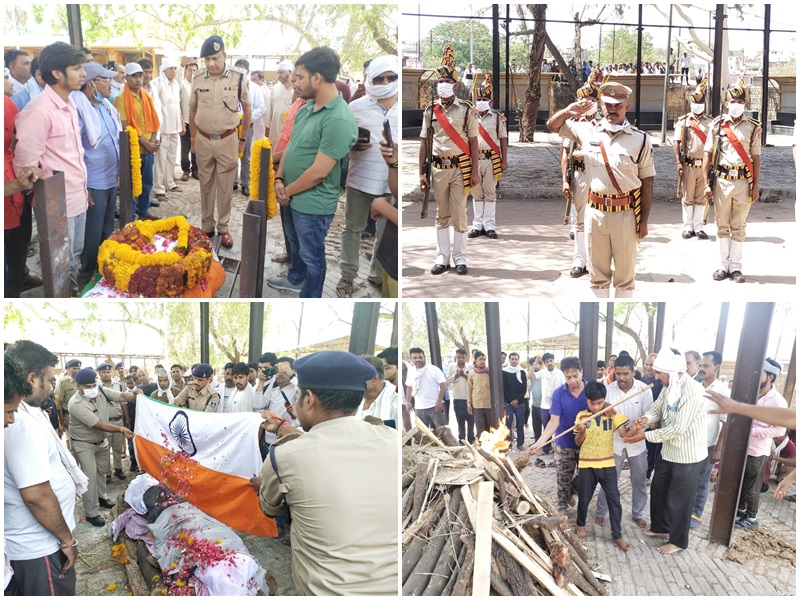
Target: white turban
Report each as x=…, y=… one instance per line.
x=667, y=361
x=376, y=67
x=168, y=64
x=285, y=65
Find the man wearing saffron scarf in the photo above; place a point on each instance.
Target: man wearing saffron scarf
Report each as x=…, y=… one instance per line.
x=136, y=108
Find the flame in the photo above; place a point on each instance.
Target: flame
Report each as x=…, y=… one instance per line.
x=496, y=441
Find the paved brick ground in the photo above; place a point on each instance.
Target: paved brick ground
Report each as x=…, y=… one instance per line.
x=188, y=203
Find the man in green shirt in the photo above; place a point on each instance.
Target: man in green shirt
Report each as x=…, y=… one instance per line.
x=308, y=178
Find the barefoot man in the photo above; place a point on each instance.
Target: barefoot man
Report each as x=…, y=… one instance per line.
x=681, y=411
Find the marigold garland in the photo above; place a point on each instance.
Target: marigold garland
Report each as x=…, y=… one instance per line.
x=255, y=177
x=127, y=260
x=136, y=162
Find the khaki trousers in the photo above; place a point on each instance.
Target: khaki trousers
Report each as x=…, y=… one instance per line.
x=731, y=207
x=117, y=444
x=693, y=187
x=217, y=162
x=166, y=157
x=580, y=199
x=611, y=236
x=451, y=203
x=356, y=215
x=484, y=198
x=93, y=459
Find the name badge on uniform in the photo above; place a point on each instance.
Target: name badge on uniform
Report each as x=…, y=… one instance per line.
x=227, y=88
x=203, y=90
x=594, y=143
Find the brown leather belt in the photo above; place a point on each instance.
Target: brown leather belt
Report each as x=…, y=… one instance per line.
x=611, y=202
x=215, y=136
x=732, y=173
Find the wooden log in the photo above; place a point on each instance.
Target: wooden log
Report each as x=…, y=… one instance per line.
x=523, y=507
x=427, y=432
x=545, y=522
x=518, y=579
x=136, y=580
x=409, y=434
x=465, y=573
x=499, y=585
x=407, y=502
x=422, y=526
x=444, y=566
x=537, y=505
x=408, y=479
x=148, y=570
x=481, y=577
x=414, y=550
x=430, y=484
x=420, y=486
x=578, y=556
x=538, y=573
x=462, y=555
x=445, y=434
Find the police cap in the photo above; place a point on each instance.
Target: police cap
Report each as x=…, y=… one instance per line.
x=73, y=363
x=104, y=367
x=86, y=376
x=212, y=45
x=203, y=370
x=333, y=370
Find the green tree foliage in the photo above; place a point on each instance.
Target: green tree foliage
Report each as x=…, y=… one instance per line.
x=622, y=46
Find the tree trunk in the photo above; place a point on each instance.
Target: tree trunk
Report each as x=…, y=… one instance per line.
x=534, y=92
x=577, y=42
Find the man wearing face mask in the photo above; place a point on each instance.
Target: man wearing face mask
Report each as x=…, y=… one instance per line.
x=691, y=134
x=100, y=127
x=578, y=187
x=455, y=164
x=493, y=148
x=619, y=161
x=368, y=175
x=89, y=425
x=737, y=141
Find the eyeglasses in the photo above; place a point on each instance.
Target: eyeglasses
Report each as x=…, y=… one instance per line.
x=384, y=79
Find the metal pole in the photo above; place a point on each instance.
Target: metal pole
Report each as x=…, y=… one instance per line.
x=433, y=334
x=716, y=92
x=493, y=349
x=588, y=337
x=496, y=52
x=637, y=118
x=614, y=43
x=599, y=44
x=419, y=35
x=609, y=330
x=364, y=328
x=508, y=60
x=719, y=344
x=666, y=82
x=256, y=331
x=205, y=354
x=74, y=25
x=661, y=309
x=764, y=116
x=395, y=325
x=746, y=379
x=791, y=375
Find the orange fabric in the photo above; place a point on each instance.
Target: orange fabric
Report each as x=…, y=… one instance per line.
x=227, y=498
x=151, y=122
x=214, y=279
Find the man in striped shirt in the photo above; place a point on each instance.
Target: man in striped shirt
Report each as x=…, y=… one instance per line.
x=680, y=409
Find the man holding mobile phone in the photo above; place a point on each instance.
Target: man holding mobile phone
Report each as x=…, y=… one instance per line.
x=368, y=176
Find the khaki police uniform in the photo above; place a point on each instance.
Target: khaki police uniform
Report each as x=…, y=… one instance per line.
x=693, y=200
x=732, y=195
x=447, y=182
x=115, y=418
x=610, y=222
x=90, y=445
x=340, y=483
x=484, y=195
x=216, y=142
x=206, y=400
x=65, y=390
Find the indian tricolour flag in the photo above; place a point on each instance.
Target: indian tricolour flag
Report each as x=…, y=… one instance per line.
x=207, y=458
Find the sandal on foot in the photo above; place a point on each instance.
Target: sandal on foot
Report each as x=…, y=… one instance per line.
x=345, y=288
x=281, y=258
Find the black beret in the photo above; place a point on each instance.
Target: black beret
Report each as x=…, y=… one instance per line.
x=73, y=363
x=119, y=364
x=333, y=370
x=203, y=370
x=86, y=376
x=105, y=367
x=212, y=45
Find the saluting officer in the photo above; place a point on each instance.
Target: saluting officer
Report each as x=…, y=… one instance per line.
x=619, y=160
x=493, y=161
x=339, y=479
x=198, y=394
x=737, y=139
x=454, y=164
x=217, y=96
x=89, y=427
x=65, y=390
x=578, y=187
x=691, y=134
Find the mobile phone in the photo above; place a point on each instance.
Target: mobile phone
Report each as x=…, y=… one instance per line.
x=387, y=132
x=363, y=135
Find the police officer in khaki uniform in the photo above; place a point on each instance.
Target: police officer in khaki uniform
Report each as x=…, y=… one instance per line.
x=619, y=161
x=575, y=185
x=218, y=94
x=89, y=428
x=493, y=153
x=454, y=169
x=339, y=479
x=199, y=394
x=691, y=134
x=115, y=417
x=736, y=186
x=65, y=390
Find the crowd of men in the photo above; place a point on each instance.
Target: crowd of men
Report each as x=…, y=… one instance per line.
x=61, y=105
x=667, y=434
x=607, y=170
x=63, y=433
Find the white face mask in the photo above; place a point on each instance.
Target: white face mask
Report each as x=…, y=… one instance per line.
x=698, y=109
x=735, y=109
x=445, y=90
x=483, y=105
x=382, y=91
x=90, y=392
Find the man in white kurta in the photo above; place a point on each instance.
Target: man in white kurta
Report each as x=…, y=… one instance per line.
x=167, y=99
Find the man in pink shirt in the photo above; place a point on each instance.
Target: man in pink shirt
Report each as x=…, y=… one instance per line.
x=759, y=448
x=48, y=136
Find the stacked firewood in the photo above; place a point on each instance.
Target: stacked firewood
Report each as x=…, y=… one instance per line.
x=472, y=526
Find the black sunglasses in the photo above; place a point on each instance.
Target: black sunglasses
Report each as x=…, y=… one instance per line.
x=381, y=79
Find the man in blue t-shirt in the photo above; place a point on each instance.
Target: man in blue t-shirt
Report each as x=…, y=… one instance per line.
x=568, y=400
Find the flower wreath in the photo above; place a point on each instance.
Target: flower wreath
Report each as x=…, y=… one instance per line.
x=255, y=177
x=130, y=262
x=136, y=162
